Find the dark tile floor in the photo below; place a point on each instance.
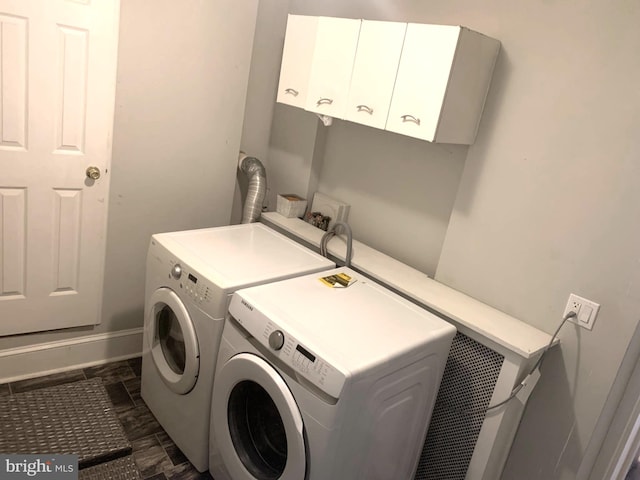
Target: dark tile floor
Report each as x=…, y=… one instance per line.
x=155, y=454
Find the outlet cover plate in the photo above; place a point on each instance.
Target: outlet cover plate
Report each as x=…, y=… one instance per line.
x=586, y=311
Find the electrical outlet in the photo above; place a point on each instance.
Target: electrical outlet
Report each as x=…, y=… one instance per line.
x=585, y=310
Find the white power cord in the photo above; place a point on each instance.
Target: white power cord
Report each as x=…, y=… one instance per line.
x=333, y=232
x=523, y=389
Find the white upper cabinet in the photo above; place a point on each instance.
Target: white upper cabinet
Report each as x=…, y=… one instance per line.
x=442, y=82
x=424, y=81
x=374, y=72
x=335, y=49
x=297, y=55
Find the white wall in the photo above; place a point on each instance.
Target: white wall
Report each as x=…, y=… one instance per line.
x=182, y=81
x=401, y=190
x=261, y=93
x=296, y=153
x=548, y=202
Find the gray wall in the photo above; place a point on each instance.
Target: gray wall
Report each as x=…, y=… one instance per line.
x=401, y=190
x=182, y=77
x=548, y=198
x=261, y=94
x=549, y=204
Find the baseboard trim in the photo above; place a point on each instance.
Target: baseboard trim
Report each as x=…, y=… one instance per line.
x=63, y=355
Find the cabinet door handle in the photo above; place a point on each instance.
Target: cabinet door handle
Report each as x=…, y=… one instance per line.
x=324, y=101
x=364, y=108
x=291, y=91
x=410, y=118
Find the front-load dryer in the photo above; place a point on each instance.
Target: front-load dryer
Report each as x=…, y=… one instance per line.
x=324, y=380
x=189, y=281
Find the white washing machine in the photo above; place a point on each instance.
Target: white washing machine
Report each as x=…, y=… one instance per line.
x=190, y=278
x=323, y=383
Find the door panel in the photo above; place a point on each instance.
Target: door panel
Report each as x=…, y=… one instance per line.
x=66, y=240
x=13, y=215
x=13, y=85
x=57, y=92
x=71, y=102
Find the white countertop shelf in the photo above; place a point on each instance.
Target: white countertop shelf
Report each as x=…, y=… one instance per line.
x=464, y=311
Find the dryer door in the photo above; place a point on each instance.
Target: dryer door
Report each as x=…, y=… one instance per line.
x=173, y=341
x=256, y=422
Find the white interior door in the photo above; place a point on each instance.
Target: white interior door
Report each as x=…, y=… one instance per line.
x=57, y=89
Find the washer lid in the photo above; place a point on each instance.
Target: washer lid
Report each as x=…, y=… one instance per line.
x=242, y=255
x=351, y=328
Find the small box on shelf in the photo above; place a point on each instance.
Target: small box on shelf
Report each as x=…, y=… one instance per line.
x=290, y=205
x=331, y=208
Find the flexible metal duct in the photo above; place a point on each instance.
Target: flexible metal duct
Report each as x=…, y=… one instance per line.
x=257, y=176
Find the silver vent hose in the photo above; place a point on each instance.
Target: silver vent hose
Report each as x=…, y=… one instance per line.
x=257, y=175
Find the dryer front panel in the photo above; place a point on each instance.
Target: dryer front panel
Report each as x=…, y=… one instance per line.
x=256, y=423
x=172, y=341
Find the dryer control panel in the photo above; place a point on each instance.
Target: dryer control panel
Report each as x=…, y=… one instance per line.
x=196, y=288
x=284, y=346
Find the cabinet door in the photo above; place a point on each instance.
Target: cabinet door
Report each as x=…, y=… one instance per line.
x=336, y=42
x=297, y=56
x=423, y=75
x=374, y=72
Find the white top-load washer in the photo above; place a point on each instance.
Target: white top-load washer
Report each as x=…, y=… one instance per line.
x=190, y=278
x=321, y=382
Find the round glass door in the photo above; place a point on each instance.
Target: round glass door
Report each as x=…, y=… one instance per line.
x=256, y=422
x=174, y=345
x=257, y=430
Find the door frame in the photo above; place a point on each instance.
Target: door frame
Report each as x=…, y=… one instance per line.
x=620, y=441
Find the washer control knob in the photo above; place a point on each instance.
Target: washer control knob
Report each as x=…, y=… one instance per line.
x=176, y=271
x=276, y=340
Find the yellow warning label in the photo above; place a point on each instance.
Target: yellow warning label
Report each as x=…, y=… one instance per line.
x=339, y=280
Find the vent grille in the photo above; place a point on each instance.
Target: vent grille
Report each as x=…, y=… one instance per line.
x=468, y=382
